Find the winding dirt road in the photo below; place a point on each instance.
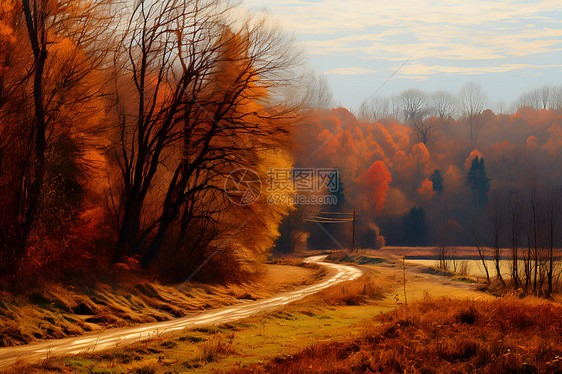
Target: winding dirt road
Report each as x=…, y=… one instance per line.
x=122, y=336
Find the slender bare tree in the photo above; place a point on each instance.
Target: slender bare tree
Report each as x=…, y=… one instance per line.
x=375, y=109
x=476, y=229
x=496, y=218
x=556, y=99
x=473, y=103
x=446, y=107
x=553, y=219
x=315, y=92
x=416, y=109
x=515, y=219
x=534, y=226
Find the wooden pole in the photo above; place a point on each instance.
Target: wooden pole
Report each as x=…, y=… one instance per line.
x=404, y=272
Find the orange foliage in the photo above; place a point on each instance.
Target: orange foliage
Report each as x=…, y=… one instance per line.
x=8, y=39
x=421, y=158
x=362, y=152
x=474, y=154
x=412, y=167
x=453, y=178
x=376, y=184
x=426, y=189
x=532, y=142
x=384, y=139
x=554, y=143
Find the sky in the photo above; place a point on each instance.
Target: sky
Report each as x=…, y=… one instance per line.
x=508, y=47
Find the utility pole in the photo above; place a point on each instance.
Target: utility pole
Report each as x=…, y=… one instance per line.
x=335, y=218
x=353, y=234
x=404, y=273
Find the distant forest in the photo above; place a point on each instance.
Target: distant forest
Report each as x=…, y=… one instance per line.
x=425, y=169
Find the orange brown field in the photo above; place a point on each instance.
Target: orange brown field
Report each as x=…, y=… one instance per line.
x=442, y=336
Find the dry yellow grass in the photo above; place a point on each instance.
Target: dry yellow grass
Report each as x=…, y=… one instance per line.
x=56, y=311
x=324, y=316
x=442, y=336
x=320, y=319
x=354, y=292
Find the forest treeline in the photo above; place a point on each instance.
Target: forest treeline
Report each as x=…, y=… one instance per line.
x=119, y=123
x=442, y=170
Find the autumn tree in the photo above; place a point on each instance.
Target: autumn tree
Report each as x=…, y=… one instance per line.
x=207, y=103
x=545, y=97
x=556, y=99
x=534, y=233
x=51, y=73
x=477, y=232
x=414, y=105
x=313, y=92
x=553, y=232
x=445, y=235
x=242, y=127
x=145, y=65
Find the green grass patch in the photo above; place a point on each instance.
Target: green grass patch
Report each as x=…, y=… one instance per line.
x=464, y=279
x=192, y=339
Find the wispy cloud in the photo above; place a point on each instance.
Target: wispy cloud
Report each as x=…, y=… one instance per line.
x=421, y=71
x=457, y=45
x=334, y=16
x=450, y=29
x=473, y=39
x=355, y=70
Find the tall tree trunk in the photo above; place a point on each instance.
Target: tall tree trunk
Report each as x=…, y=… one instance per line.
x=30, y=190
x=170, y=211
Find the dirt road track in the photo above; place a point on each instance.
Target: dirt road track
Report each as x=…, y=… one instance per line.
x=122, y=336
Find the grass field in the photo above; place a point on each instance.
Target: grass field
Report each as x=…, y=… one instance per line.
x=447, y=326
x=442, y=336
x=335, y=314
x=57, y=311
x=338, y=314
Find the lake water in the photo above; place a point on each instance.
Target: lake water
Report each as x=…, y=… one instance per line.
x=476, y=268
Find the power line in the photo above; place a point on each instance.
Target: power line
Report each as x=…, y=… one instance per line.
x=390, y=77
x=329, y=218
x=349, y=213
x=348, y=217
x=340, y=217
x=328, y=221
